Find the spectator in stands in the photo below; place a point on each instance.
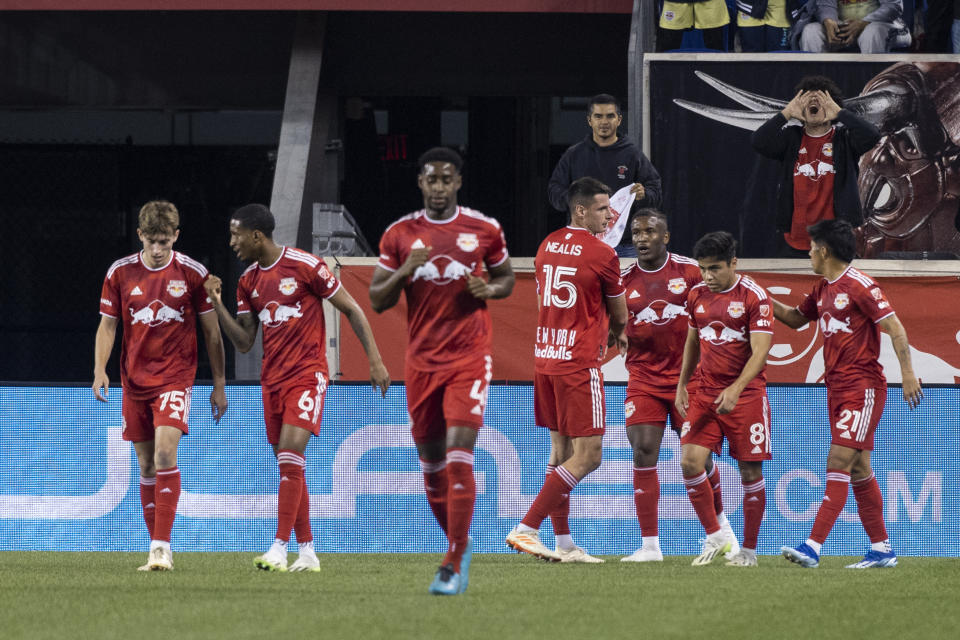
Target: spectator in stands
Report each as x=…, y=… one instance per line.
x=612, y=160
x=936, y=26
x=818, y=179
x=868, y=26
x=709, y=16
x=956, y=26
x=763, y=25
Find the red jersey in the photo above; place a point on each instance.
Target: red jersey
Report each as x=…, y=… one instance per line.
x=288, y=298
x=848, y=310
x=657, y=328
x=446, y=325
x=158, y=309
x=813, y=176
x=575, y=274
x=725, y=321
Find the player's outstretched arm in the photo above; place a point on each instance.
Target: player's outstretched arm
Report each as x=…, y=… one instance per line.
x=242, y=330
x=103, y=345
x=345, y=304
x=691, y=356
x=789, y=316
x=386, y=286
x=760, y=346
x=912, y=393
x=500, y=284
x=214, y=342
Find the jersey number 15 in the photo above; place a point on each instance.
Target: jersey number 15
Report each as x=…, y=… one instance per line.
x=558, y=292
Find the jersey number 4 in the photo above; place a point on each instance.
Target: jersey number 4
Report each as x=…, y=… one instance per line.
x=558, y=292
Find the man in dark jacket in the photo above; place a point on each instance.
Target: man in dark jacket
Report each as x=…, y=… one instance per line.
x=614, y=161
x=819, y=161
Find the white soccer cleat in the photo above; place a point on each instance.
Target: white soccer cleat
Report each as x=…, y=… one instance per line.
x=732, y=537
x=529, y=542
x=577, y=555
x=306, y=561
x=273, y=560
x=742, y=559
x=644, y=555
x=160, y=559
x=711, y=550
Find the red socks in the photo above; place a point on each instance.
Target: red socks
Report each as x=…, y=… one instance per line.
x=167, y=494
x=701, y=497
x=834, y=498
x=461, y=496
x=147, y=487
x=714, y=478
x=754, y=503
x=560, y=515
x=291, y=465
x=302, y=524
x=435, y=484
x=870, y=507
x=556, y=487
x=646, y=498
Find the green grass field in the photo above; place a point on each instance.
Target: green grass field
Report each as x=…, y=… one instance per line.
x=221, y=595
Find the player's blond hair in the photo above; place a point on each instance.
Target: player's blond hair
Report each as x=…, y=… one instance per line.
x=159, y=217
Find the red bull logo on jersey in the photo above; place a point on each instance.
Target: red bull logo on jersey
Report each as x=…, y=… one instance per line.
x=468, y=241
x=176, y=288
x=442, y=270
x=677, y=285
x=831, y=326
x=659, y=312
x=717, y=333
x=155, y=314
x=736, y=309
x=288, y=286
x=841, y=301
x=275, y=314
x=814, y=172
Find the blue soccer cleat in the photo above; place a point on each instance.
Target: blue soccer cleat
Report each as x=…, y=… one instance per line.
x=876, y=560
x=446, y=582
x=803, y=555
x=465, y=565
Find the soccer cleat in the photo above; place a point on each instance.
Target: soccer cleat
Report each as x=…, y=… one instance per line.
x=465, y=565
x=742, y=559
x=306, y=561
x=876, y=560
x=446, y=582
x=644, y=555
x=711, y=550
x=273, y=560
x=529, y=542
x=732, y=537
x=160, y=560
x=577, y=555
x=803, y=555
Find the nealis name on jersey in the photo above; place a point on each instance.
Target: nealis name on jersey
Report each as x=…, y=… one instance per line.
x=563, y=248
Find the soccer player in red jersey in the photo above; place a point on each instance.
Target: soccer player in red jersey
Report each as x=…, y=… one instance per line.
x=578, y=287
x=851, y=310
x=657, y=286
x=436, y=257
x=284, y=289
x=157, y=294
x=730, y=332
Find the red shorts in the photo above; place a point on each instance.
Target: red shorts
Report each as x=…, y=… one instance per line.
x=650, y=406
x=854, y=416
x=171, y=408
x=447, y=398
x=746, y=428
x=571, y=404
x=297, y=402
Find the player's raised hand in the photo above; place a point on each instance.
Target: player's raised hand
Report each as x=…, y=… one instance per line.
x=101, y=381
x=912, y=393
x=379, y=378
x=416, y=259
x=682, y=401
x=213, y=285
x=218, y=403
x=727, y=400
x=478, y=287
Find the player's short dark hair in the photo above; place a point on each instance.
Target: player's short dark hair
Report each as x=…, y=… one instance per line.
x=820, y=83
x=255, y=217
x=644, y=212
x=603, y=98
x=837, y=236
x=582, y=191
x=716, y=244
x=158, y=217
x=440, y=154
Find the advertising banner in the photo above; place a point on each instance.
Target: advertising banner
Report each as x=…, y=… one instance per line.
x=68, y=482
